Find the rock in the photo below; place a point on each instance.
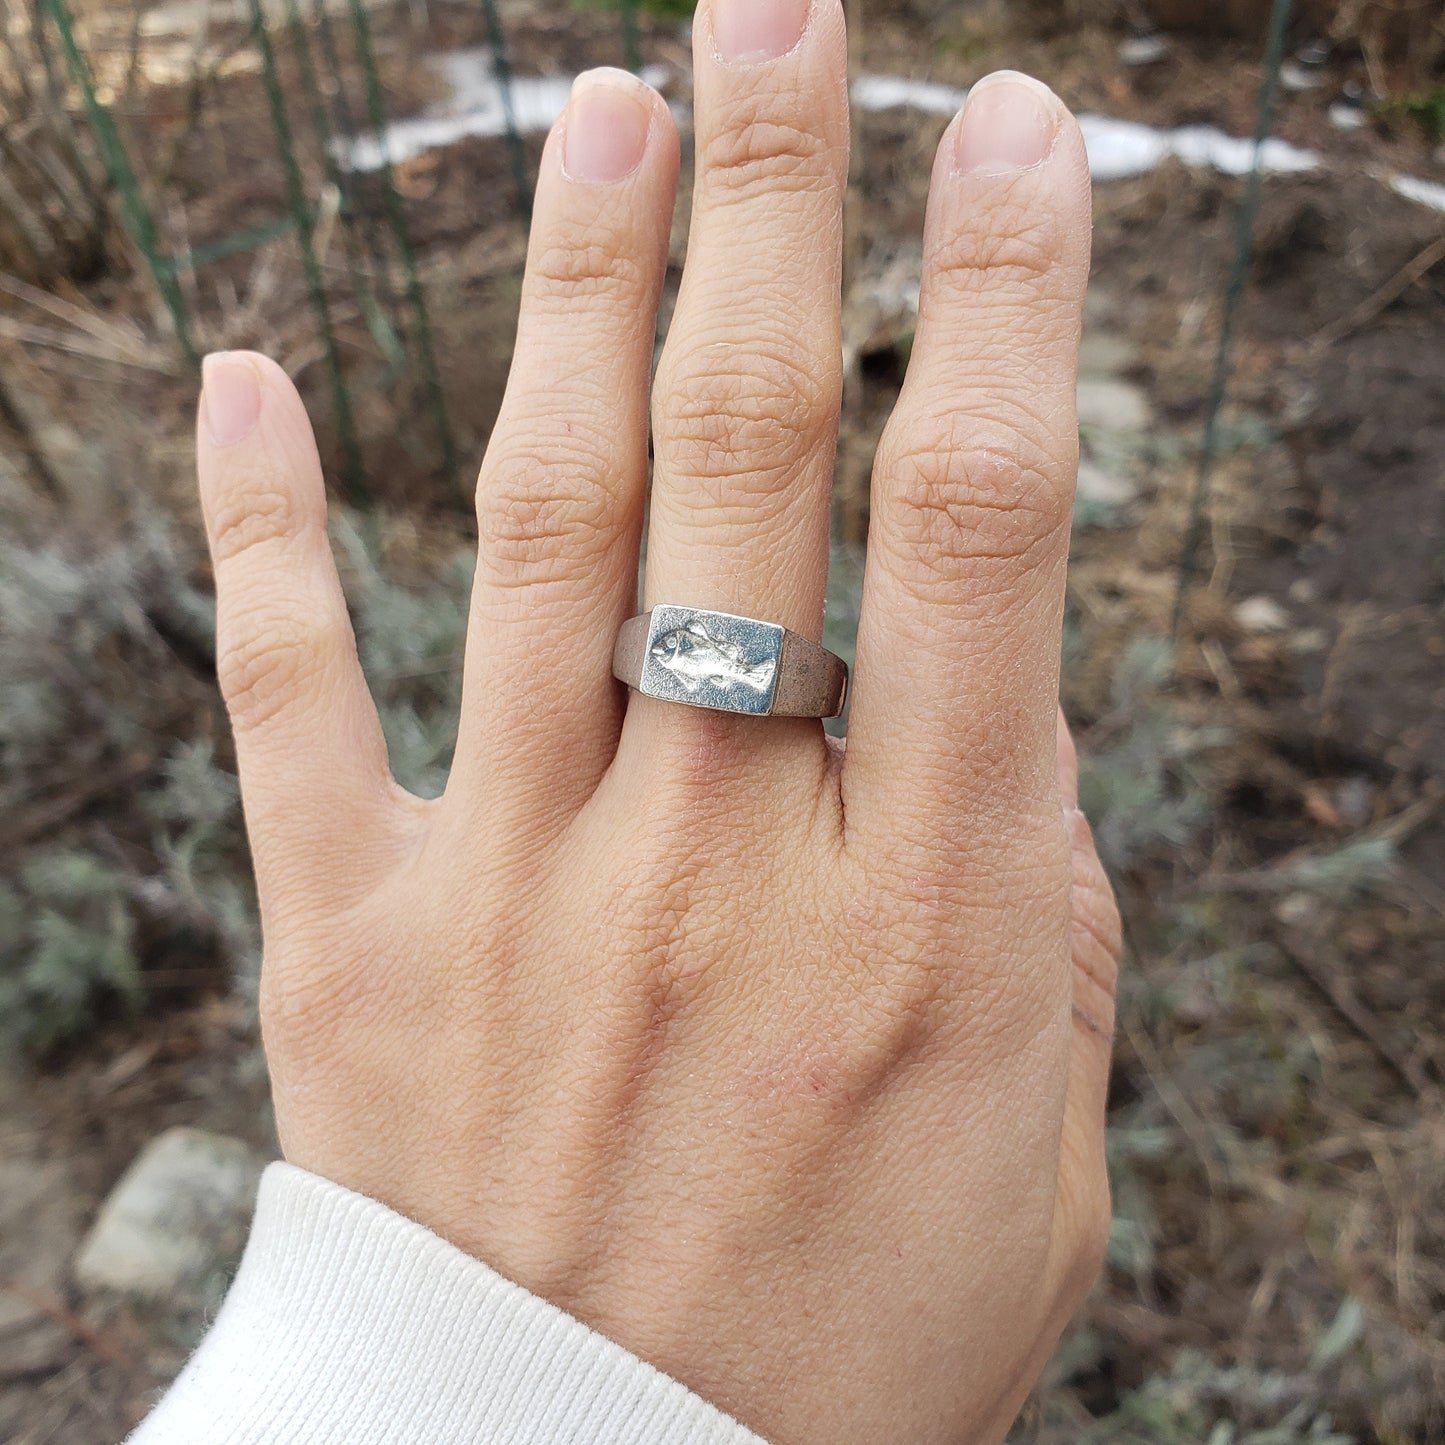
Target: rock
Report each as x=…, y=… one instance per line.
x=1355, y=801
x=1104, y=353
x=1111, y=405
x=1307, y=640
x=881, y=308
x=179, y=1212
x=1143, y=49
x=1297, y=77
x=1261, y=614
x=34, y=1347
x=1104, y=488
x=38, y=1230
x=1101, y=309
x=1297, y=909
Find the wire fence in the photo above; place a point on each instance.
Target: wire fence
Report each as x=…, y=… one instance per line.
x=328, y=93
x=380, y=263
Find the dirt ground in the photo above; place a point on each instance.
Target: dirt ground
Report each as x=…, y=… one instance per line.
x=1279, y=1135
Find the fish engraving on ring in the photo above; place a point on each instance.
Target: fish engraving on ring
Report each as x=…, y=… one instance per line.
x=698, y=659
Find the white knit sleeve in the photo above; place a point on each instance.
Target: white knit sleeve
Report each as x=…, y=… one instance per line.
x=347, y=1322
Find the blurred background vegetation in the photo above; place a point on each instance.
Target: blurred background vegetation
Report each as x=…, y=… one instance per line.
x=1255, y=647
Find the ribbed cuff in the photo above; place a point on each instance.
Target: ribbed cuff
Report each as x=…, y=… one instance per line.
x=347, y=1322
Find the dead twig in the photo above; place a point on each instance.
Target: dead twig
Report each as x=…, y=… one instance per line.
x=51, y=813
x=123, y=335
x=78, y=1328
x=1194, y=1128
x=1285, y=873
x=1353, y=626
x=1413, y=271
x=12, y=418
x=1335, y=986
x=77, y=344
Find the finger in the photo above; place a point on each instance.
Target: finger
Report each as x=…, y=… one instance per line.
x=1081, y=1217
x=953, y=718
x=311, y=753
x=749, y=384
x=559, y=501
x=1082, y=1212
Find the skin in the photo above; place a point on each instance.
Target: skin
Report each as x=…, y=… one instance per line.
x=780, y=1063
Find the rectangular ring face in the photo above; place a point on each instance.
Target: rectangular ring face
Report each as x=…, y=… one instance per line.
x=712, y=659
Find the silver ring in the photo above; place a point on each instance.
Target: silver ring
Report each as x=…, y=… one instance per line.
x=729, y=664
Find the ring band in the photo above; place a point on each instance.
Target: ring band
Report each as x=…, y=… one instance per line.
x=729, y=664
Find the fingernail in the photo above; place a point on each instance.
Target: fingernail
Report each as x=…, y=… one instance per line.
x=747, y=32
x=607, y=123
x=1008, y=124
x=230, y=397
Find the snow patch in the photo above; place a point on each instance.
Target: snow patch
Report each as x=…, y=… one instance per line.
x=1117, y=148
x=475, y=105
x=1427, y=193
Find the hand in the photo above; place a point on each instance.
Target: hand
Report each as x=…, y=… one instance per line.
x=782, y=1066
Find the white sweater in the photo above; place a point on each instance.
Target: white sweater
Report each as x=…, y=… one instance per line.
x=348, y=1323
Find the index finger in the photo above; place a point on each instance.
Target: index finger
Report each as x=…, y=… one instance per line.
x=953, y=719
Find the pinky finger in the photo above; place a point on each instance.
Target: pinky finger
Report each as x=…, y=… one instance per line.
x=308, y=741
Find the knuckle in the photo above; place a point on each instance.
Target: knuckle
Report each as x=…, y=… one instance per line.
x=992, y=941
x=897, y=1011
x=847, y=1065
x=547, y=516
x=262, y=669
x=1022, y=248
x=248, y=517
x=900, y=981
x=750, y=423
x=583, y=269
x=756, y=153
x=954, y=503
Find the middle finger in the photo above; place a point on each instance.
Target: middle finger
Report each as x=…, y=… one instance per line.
x=748, y=389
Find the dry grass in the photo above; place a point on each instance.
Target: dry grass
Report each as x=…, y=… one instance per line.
x=56, y=220
x=1405, y=34
x=1277, y=1142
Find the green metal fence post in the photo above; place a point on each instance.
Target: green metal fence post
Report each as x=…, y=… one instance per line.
x=371, y=233
x=631, y=44
x=502, y=67
x=377, y=323
x=122, y=175
x=305, y=235
x=1234, y=294
x=416, y=300
x=55, y=96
